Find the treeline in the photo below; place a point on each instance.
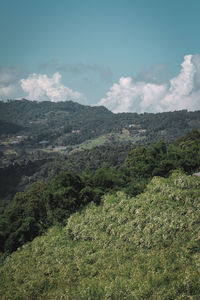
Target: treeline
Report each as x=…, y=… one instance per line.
x=31, y=213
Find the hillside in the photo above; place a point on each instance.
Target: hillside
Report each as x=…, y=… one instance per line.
x=68, y=123
x=33, y=130
x=126, y=248
x=135, y=164
x=39, y=139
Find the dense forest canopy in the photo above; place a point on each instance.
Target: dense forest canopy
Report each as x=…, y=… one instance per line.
x=49, y=203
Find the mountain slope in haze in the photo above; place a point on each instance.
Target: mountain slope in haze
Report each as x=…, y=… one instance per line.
x=69, y=123
x=126, y=248
x=48, y=120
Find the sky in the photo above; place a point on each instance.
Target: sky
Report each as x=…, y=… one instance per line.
x=130, y=56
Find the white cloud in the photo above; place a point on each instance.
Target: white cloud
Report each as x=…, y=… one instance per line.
x=182, y=92
x=127, y=95
x=41, y=87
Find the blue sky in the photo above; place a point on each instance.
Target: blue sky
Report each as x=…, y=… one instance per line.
x=54, y=50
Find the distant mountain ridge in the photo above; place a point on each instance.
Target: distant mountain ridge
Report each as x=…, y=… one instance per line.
x=70, y=123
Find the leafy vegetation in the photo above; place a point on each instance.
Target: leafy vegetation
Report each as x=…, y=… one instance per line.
x=14, y=178
x=20, y=176
x=33, y=212
x=145, y=247
x=9, y=128
x=157, y=159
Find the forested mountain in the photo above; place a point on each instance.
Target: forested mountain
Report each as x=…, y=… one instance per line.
x=39, y=139
x=70, y=123
x=125, y=248
x=82, y=212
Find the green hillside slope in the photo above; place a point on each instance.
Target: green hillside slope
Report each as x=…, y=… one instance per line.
x=69, y=123
x=146, y=247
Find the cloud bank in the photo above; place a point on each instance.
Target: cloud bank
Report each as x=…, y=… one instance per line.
x=149, y=92
x=182, y=92
x=41, y=87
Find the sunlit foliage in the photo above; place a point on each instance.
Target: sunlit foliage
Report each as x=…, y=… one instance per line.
x=145, y=247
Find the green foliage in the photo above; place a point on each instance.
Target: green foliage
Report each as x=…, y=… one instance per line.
x=44, y=205
x=9, y=128
x=31, y=213
x=11, y=178
x=106, y=178
x=185, y=154
x=157, y=160
x=22, y=221
x=149, y=161
x=63, y=196
x=126, y=248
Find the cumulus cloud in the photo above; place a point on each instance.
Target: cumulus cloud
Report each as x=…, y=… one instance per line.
x=41, y=87
x=182, y=92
